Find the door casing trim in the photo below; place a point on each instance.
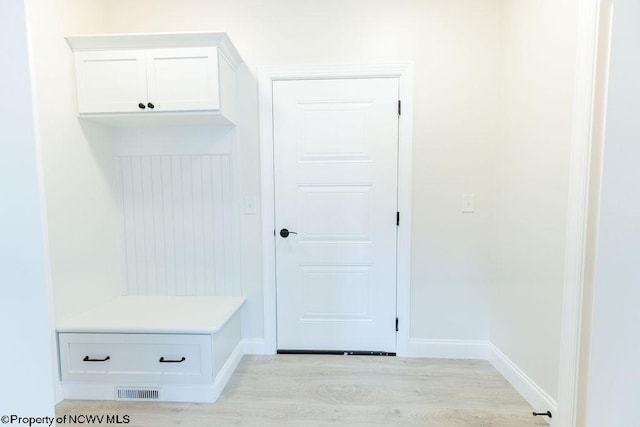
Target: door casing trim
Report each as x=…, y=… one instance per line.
x=269, y=74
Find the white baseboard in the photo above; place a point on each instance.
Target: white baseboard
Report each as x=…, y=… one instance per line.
x=58, y=393
x=224, y=374
x=485, y=350
x=255, y=346
x=448, y=349
x=523, y=384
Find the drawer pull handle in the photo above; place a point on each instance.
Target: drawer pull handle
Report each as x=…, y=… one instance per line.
x=163, y=360
x=87, y=359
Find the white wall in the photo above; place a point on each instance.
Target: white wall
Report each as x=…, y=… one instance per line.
x=80, y=16
x=531, y=184
x=26, y=360
x=493, y=102
x=79, y=169
x=455, y=49
x=614, y=389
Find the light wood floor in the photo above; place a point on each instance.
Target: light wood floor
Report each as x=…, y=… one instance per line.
x=341, y=390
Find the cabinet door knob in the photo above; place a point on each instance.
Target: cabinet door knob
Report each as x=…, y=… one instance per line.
x=141, y=106
x=150, y=105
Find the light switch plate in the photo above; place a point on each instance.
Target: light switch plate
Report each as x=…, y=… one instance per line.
x=467, y=203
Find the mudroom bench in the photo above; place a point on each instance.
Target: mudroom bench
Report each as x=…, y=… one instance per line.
x=162, y=348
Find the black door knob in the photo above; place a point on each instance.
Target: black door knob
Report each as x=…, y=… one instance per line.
x=285, y=233
x=141, y=106
x=150, y=105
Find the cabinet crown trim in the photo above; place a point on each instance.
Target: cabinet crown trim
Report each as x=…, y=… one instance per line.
x=156, y=40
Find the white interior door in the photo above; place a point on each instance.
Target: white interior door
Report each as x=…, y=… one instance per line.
x=335, y=160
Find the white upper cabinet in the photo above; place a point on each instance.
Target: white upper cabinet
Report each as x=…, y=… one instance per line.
x=156, y=78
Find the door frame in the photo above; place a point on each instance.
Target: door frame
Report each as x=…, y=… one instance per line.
x=269, y=74
x=589, y=117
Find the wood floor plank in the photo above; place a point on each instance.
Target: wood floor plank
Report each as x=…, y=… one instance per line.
x=316, y=390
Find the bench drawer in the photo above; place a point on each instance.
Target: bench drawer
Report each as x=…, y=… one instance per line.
x=135, y=358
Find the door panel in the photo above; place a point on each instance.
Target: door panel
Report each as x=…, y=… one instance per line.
x=183, y=79
x=111, y=81
x=335, y=145
x=334, y=131
x=321, y=222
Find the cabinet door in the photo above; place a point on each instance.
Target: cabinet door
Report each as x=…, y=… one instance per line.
x=183, y=79
x=111, y=81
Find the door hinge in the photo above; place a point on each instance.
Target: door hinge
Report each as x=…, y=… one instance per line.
x=397, y=218
x=396, y=324
x=399, y=107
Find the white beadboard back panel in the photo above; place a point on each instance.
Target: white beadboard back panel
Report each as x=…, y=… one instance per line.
x=178, y=224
